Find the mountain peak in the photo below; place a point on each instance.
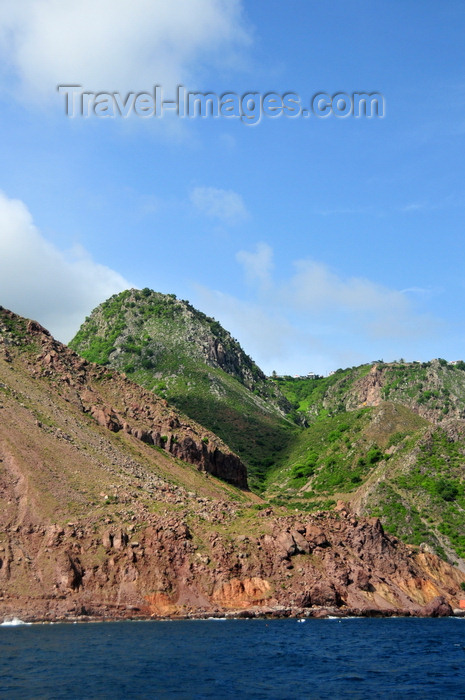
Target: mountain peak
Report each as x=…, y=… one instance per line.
x=187, y=357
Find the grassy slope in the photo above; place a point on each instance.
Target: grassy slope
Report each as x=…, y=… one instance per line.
x=387, y=460
x=162, y=344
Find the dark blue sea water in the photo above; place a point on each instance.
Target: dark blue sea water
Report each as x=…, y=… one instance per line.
x=279, y=659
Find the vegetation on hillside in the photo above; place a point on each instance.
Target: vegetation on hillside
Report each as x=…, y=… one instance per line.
x=369, y=435
x=188, y=358
x=308, y=396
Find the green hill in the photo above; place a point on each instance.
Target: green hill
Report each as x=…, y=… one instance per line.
x=188, y=358
x=389, y=438
x=402, y=459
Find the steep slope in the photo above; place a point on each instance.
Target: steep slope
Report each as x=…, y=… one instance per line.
x=109, y=508
x=402, y=459
x=181, y=354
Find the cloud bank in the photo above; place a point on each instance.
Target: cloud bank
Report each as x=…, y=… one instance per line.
x=116, y=45
x=41, y=282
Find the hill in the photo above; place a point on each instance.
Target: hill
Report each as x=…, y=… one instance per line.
x=181, y=354
x=111, y=506
x=390, y=440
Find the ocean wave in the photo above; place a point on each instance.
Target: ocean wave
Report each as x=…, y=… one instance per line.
x=14, y=622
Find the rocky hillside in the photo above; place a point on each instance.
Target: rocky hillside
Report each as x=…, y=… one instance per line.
x=110, y=507
x=389, y=439
x=181, y=354
x=434, y=390
x=110, y=400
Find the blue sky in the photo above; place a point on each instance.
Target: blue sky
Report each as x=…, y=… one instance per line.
x=319, y=243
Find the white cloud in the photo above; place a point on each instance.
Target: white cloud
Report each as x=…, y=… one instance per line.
x=258, y=266
x=315, y=286
x=225, y=205
x=116, y=45
x=39, y=281
x=243, y=318
x=317, y=319
x=413, y=206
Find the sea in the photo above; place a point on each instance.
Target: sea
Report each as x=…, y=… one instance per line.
x=274, y=659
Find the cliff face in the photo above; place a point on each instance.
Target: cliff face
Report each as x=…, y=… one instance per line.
x=110, y=507
x=169, y=347
x=198, y=561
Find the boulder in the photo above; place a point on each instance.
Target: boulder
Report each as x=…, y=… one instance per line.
x=438, y=607
x=316, y=536
x=285, y=545
x=303, y=547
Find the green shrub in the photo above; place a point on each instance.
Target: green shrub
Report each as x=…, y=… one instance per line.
x=374, y=455
x=446, y=489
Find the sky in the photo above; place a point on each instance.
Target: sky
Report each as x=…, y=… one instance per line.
x=318, y=242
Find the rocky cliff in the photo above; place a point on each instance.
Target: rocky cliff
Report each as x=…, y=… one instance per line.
x=211, y=557
x=110, y=507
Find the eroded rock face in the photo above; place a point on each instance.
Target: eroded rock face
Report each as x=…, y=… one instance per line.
x=237, y=593
x=164, y=566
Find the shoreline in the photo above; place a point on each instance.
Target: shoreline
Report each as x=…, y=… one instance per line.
x=16, y=619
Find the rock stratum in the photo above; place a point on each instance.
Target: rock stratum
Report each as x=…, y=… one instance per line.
x=115, y=505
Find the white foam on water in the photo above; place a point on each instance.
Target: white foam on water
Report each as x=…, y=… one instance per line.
x=14, y=622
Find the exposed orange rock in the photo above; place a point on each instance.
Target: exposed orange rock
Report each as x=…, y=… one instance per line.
x=159, y=604
x=244, y=593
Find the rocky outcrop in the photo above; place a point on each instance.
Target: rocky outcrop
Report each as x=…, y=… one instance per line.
x=367, y=390
x=241, y=593
x=438, y=607
x=313, y=566
x=190, y=448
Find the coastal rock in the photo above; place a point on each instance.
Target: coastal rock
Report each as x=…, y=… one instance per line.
x=438, y=607
x=324, y=594
x=241, y=593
